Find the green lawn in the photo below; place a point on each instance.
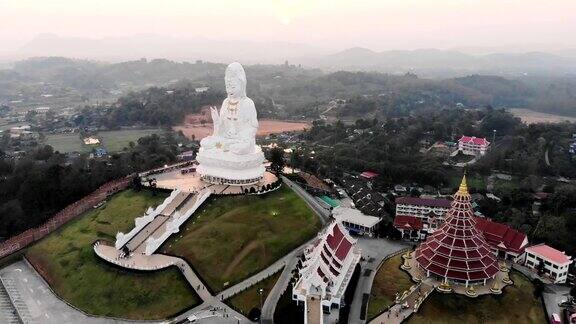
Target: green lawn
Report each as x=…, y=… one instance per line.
x=389, y=280
x=115, y=141
x=235, y=237
x=517, y=304
x=474, y=181
x=250, y=298
x=76, y=274
x=65, y=143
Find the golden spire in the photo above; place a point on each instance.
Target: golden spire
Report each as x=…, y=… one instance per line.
x=463, y=190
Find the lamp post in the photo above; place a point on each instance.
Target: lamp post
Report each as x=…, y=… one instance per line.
x=493, y=136
x=260, y=291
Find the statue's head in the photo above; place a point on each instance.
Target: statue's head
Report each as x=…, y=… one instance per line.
x=235, y=79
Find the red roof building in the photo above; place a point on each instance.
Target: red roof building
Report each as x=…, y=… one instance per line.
x=369, y=175
x=507, y=242
x=473, y=145
x=457, y=251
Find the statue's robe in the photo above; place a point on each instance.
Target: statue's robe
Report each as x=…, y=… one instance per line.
x=235, y=130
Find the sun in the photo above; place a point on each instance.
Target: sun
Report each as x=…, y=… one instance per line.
x=288, y=10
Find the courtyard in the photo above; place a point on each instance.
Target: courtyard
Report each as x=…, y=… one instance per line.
x=67, y=261
x=232, y=238
x=517, y=303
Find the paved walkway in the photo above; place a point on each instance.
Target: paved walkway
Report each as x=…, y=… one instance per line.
x=409, y=303
x=279, y=288
x=373, y=252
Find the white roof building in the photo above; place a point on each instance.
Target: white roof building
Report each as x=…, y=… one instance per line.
x=354, y=220
x=555, y=263
x=91, y=141
x=326, y=271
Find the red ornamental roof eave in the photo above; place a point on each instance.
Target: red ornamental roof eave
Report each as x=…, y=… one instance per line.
x=474, y=140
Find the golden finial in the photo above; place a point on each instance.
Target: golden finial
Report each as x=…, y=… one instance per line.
x=463, y=190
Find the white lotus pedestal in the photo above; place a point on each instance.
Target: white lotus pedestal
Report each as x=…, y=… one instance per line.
x=224, y=167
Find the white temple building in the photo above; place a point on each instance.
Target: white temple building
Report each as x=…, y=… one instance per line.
x=326, y=271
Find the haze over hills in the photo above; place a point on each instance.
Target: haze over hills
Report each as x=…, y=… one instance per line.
x=444, y=63
x=505, y=61
x=115, y=49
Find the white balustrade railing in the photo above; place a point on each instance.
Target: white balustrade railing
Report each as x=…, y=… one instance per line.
x=140, y=222
x=173, y=225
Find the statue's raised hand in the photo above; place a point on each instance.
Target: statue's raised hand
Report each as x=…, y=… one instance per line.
x=215, y=115
x=215, y=120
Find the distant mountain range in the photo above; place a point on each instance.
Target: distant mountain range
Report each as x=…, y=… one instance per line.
x=424, y=62
x=434, y=62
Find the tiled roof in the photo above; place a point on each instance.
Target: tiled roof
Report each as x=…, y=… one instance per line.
x=368, y=174
x=501, y=235
x=549, y=253
x=408, y=222
x=429, y=202
x=474, y=140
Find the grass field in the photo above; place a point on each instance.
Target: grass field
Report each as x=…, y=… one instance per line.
x=389, y=280
x=250, y=298
x=474, y=181
x=115, y=141
x=65, y=143
x=235, y=237
x=517, y=304
x=76, y=274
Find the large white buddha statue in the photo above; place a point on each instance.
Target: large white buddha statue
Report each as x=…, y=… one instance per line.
x=230, y=155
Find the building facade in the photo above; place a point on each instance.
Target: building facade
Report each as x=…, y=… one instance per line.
x=355, y=221
x=471, y=145
x=324, y=274
x=554, y=263
x=416, y=218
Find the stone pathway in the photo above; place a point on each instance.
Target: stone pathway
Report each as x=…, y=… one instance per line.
x=407, y=304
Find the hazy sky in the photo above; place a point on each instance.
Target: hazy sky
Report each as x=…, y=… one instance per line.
x=336, y=24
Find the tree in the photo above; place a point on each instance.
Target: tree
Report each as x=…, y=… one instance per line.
x=538, y=287
x=277, y=159
x=540, y=267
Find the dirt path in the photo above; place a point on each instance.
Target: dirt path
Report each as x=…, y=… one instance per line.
x=200, y=126
x=243, y=253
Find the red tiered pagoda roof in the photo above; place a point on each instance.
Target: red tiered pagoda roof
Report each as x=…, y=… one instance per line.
x=457, y=250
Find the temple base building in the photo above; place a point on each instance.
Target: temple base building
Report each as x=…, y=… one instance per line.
x=457, y=257
x=326, y=270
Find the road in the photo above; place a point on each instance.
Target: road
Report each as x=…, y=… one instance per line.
x=373, y=252
x=310, y=200
x=553, y=295
x=42, y=304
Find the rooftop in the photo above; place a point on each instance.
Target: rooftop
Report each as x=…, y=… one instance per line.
x=351, y=215
x=549, y=253
x=474, y=140
x=428, y=202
